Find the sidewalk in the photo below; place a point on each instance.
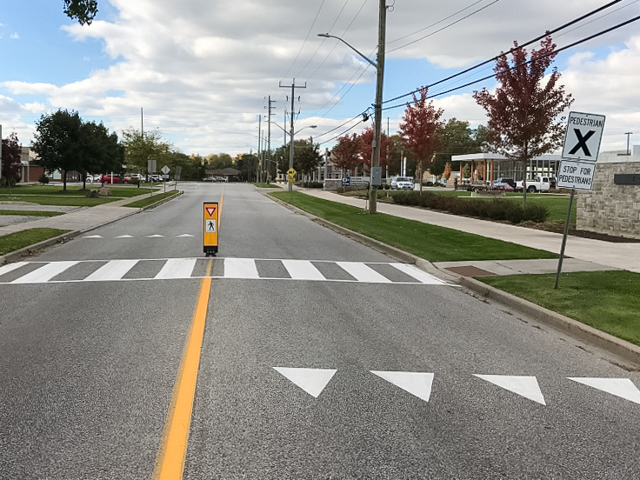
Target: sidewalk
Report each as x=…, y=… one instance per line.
x=77, y=219
x=586, y=254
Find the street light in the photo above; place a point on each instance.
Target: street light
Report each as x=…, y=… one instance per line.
x=379, y=66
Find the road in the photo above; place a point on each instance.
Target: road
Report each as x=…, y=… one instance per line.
x=320, y=358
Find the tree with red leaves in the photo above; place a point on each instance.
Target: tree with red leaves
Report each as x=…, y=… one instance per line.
x=347, y=152
x=11, y=164
x=419, y=130
x=523, y=110
x=366, y=148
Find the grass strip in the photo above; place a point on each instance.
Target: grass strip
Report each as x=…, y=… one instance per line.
x=16, y=241
x=265, y=185
x=30, y=213
x=68, y=201
x=431, y=242
x=608, y=301
x=145, y=202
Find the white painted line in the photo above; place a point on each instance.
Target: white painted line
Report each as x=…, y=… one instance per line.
x=125, y=236
x=620, y=387
x=114, y=270
x=240, y=268
x=155, y=236
x=311, y=380
x=11, y=267
x=302, y=270
x=418, y=274
x=524, y=386
x=45, y=273
x=416, y=383
x=177, y=268
x=362, y=272
x=92, y=236
x=185, y=235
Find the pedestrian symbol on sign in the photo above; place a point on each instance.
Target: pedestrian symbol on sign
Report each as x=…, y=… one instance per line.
x=211, y=226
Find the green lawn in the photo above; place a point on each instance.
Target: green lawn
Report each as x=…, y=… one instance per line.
x=149, y=200
x=433, y=243
x=608, y=301
x=70, y=201
x=16, y=241
x=73, y=196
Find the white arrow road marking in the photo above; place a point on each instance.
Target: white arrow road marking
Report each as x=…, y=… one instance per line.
x=125, y=236
x=92, y=236
x=45, y=273
x=524, y=386
x=620, y=387
x=311, y=380
x=185, y=235
x=416, y=383
x=155, y=236
x=302, y=270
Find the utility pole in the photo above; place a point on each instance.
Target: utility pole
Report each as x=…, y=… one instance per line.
x=293, y=92
x=259, y=172
x=382, y=25
x=269, y=109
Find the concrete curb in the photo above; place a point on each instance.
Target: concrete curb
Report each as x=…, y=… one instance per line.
x=580, y=331
x=32, y=250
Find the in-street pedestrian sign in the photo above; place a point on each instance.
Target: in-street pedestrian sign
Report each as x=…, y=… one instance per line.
x=583, y=136
x=210, y=228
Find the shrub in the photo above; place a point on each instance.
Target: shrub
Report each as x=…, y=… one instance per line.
x=43, y=180
x=495, y=209
x=312, y=184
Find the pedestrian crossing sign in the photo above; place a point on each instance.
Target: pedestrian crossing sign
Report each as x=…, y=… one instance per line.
x=210, y=228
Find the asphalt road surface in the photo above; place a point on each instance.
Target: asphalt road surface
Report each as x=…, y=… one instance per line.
x=319, y=358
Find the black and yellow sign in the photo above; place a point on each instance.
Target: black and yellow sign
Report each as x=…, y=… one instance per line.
x=291, y=175
x=210, y=228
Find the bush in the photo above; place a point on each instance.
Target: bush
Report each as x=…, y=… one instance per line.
x=495, y=209
x=312, y=185
x=43, y=180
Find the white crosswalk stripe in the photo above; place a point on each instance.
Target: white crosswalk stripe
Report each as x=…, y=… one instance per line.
x=231, y=268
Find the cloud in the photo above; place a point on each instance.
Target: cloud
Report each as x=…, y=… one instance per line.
x=14, y=36
x=202, y=69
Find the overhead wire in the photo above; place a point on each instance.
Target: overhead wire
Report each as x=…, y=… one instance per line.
x=566, y=47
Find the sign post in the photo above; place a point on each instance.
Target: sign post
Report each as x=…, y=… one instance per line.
x=210, y=228
x=581, y=145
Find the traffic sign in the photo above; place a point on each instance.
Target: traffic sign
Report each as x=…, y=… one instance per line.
x=291, y=175
x=583, y=136
x=165, y=170
x=346, y=181
x=210, y=228
x=578, y=175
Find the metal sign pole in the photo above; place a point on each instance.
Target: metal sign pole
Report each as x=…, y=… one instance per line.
x=564, y=238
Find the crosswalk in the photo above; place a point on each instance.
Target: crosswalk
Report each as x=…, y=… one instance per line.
x=229, y=268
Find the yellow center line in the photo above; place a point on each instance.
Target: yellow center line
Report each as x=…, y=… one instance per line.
x=175, y=437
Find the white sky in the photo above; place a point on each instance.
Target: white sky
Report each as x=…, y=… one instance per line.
x=202, y=69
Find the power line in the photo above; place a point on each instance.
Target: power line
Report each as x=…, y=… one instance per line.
x=586, y=39
x=562, y=27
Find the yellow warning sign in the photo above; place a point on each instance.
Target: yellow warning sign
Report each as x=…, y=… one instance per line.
x=210, y=228
x=291, y=175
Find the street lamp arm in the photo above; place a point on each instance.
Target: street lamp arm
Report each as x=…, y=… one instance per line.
x=326, y=35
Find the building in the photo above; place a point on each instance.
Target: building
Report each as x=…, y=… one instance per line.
x=487, y=167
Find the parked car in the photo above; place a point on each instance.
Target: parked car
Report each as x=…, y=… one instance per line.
x=93, y=178
x=401, y=183
x=116, y=179
x=509, y=181
x=501, y=185
x=538, y=184
x=210, y=179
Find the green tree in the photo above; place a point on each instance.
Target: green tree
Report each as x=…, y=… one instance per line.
x=57, y=142
x=82, y=10
x=523, y=110
x=139, y=148
x=456, y=137
x=11, y=152
x=306, y=156
x=100, y=151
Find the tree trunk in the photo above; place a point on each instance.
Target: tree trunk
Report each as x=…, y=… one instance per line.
x=64, y=181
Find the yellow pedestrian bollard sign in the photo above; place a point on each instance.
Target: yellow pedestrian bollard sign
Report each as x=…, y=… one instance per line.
x=210, y=228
